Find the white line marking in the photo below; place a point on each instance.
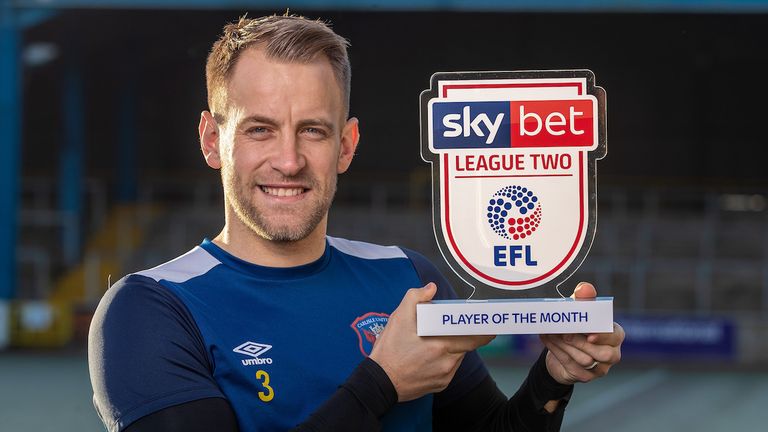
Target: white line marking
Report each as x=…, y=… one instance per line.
x=614, y=396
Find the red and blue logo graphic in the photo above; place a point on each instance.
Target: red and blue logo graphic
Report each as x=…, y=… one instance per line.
x=514, y=212
x=514, y=124
x=368, y=328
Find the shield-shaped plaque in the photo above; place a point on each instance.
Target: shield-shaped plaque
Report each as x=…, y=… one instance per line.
x=513, y=166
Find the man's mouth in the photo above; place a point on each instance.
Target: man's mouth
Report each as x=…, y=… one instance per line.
x=283, y=191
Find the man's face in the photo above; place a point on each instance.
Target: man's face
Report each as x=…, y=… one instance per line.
x=284, y=141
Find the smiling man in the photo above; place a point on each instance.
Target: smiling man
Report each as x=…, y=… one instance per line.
x=280, y=139
x=273, y=325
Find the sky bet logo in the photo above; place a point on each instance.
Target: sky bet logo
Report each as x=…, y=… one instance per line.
x=539, y=123
x=470, y=124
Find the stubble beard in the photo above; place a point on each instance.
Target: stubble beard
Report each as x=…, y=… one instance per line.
x=239, y=194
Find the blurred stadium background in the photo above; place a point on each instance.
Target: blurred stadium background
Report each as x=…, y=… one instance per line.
x=101, y=175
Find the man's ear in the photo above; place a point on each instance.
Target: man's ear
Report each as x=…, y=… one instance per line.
x=209, y=139
x=350, y=136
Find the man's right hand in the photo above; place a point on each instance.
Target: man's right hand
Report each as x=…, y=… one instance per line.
x=419, y=365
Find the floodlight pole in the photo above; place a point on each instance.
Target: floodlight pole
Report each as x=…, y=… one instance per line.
x=10, y=143
x=71, y=161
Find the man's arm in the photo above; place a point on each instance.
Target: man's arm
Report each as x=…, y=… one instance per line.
x=145, y=354
x=150, y=371
x=356, y=405
x=203, y=415
x=486, y=408
x=541, y=399
x=582, y=358
x=539, y=404
x=420, y=365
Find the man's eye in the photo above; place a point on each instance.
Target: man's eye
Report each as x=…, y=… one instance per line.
x=256, y=130
x=315, y=132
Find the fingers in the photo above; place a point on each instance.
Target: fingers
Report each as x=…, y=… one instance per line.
x=580, y=351
x=584, y=291
x=415, y=296
x=426, y=293
x=574, y=355
x=420, y=295
x=583, y=351
x=572, y=370
x=612, y=339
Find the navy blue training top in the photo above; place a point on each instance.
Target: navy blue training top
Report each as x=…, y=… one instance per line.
x=275, y=342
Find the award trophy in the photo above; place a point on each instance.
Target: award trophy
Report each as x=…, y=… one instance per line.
x=514, y=198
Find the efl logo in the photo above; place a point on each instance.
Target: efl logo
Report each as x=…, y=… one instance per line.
x=514, y=212
x=514, y=124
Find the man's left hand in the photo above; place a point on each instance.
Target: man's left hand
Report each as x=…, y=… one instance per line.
x=576, y=358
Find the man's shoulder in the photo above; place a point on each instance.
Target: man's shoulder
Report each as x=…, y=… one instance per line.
x=138, y=289
x=195, y=262
x=134, y=294
x=365, y=250
x=423, y=266
x=142, y=329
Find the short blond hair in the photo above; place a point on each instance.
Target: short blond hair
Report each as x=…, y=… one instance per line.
x=288, y=38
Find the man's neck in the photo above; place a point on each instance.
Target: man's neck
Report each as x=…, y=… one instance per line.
x=247, y=245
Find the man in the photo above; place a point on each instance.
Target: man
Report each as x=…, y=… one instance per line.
x=273, y=325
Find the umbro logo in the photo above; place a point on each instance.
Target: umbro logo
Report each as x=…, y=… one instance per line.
x=253, y=349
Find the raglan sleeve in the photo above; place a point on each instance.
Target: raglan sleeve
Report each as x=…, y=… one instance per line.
x=145, y=353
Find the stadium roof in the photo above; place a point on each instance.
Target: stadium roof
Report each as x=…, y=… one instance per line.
x=719, y=6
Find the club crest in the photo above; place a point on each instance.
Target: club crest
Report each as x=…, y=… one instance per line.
x=514, y=158
x=368, y=328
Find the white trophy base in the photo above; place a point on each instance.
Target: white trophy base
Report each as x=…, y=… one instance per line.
x=514, y=316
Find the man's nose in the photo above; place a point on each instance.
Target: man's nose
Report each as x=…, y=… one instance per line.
x=288, y=159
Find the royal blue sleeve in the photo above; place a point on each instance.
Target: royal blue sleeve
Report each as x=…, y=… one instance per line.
x=472, y=370
x=145, y=353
